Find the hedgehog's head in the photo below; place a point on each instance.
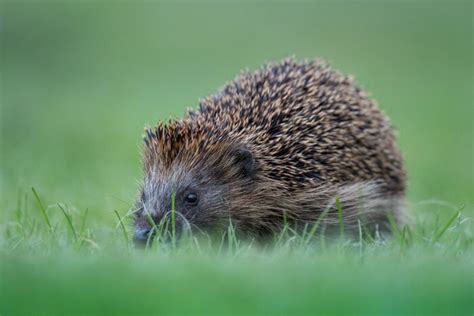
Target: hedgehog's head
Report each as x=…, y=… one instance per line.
x=201, y=178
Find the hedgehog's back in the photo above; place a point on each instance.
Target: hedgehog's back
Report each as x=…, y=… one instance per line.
x=307, y=125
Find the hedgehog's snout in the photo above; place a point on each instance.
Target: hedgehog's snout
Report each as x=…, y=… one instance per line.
x=143, y=236
x=161, y=228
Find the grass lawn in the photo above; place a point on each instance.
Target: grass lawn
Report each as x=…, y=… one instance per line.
x=75, y=269
x=80, y=80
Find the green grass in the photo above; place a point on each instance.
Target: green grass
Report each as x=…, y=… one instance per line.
x=77, y=268
x=80, y=80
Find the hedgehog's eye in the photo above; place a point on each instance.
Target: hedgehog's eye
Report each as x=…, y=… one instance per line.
x=191, y=199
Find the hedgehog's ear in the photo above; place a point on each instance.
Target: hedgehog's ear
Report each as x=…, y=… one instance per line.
x=243, y=158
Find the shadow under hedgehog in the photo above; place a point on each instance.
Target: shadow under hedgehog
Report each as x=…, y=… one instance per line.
x=283, y=143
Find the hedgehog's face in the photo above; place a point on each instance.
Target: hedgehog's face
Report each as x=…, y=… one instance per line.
x=199, y=193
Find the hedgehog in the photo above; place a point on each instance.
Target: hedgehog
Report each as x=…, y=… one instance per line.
x=292, y=142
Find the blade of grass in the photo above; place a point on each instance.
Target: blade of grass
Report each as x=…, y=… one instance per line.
x=339, y=215
x=409, y=235
x=393, y=224
x=283, y=232
x=316, y=225
x=231, y=240
x=446, y=226
x=69, y=221
x=322, y=240
x=173, y=219
x=18, y=211
x=42, y=209
x=367, y=232
x=124, y=231
x=83, y=223
x=20, y=217
x=154, y=228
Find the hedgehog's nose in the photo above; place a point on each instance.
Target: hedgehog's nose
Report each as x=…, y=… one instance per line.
x=142, y=237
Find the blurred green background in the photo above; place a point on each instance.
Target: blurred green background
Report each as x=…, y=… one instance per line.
x=79, y=80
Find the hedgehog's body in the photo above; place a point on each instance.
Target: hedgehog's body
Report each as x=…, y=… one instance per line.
x=288, y=138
